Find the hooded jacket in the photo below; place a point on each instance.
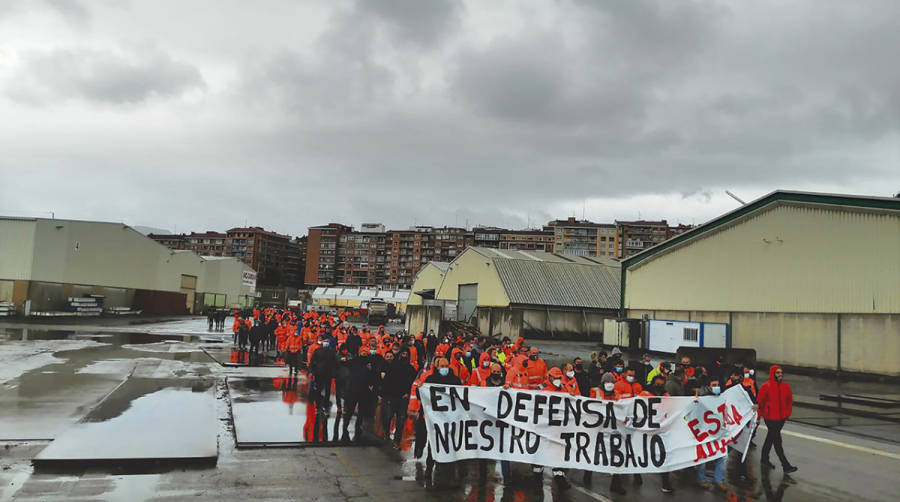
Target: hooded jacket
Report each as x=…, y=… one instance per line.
x=775, y=398
x=481, y=373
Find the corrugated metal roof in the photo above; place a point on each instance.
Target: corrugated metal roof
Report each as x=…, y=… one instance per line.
x=443, y=265
x=539, y=278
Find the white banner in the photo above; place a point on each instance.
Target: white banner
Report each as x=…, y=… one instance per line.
x=635, y=435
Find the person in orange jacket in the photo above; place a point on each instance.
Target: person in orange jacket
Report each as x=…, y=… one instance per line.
x=628, y=386
x=606, y=391
x=482, y=372
x=553, y=383
x=294, y=345
x=535, y=367
x=456, y=367
x=568, y=380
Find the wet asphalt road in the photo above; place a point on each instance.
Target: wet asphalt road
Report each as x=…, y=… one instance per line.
x=58, y=378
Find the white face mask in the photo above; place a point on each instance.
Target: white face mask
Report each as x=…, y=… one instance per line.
x=629, y=378
x=486, y=364
x=609, y=386
x=752, y=372
x=570, y=374
x=557, y=382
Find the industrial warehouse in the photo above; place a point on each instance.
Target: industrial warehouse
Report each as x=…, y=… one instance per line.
x=50, y=266
x=805, y=279
x=517, y=293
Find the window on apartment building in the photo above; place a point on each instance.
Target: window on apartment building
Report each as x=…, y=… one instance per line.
x=691, y=334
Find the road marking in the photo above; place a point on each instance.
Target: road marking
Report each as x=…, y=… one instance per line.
x=591, y=494
x=840, y=444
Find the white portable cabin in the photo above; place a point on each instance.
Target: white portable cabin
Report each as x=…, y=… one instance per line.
x=667, y=336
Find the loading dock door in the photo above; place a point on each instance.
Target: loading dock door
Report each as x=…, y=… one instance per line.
x=189, y=288
x=467, y=301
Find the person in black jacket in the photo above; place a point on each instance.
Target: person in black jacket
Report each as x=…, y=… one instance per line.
x=341, y=376
x=359, y=396
x=257, y=333
x=323, y=366
x=395, y=385
x=431, y=343
x=354, y=341
x=582, y=377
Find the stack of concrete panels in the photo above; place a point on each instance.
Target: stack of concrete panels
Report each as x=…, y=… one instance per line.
x=7, y=309
x=85, y=306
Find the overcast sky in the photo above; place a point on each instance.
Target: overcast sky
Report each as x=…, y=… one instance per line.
x=202, y=115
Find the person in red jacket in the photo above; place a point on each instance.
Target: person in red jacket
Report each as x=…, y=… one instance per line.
x=775, y=402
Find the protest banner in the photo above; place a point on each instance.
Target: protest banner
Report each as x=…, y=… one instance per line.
x=635, y=435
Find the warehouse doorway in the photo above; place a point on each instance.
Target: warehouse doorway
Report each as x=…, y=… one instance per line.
x=189, y=289
x=467, y=301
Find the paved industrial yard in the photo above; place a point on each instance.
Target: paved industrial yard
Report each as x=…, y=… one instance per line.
x=68, y=391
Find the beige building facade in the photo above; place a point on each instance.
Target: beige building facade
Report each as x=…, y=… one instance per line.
x=804, y=279
x=45, y=261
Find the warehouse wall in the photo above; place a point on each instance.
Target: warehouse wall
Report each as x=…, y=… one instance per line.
x=870, y=343
x=500, y=321
x=786, y=258
x=16, y=249
x=224, y=277
x=415, y=319
x=106, y=254
x=539, y=323
x=429, y=277
x=472, y=267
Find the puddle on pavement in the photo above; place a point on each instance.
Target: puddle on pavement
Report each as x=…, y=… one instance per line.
x=232, y=356
x=40, y=405
x=277, y=412
x=113, y=338
x=143, y=419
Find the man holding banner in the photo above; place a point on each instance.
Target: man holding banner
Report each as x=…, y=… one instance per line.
x=641, y=434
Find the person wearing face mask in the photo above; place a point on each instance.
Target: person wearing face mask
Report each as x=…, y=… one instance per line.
x=643, y=369
x=618, y=369
x=628, y=386
x=456, y=365
x=323, y=365
x=468, y=359
x=657, y=387
x=495, y=378
x=581, y=377
x=442, y=375
x=568, y=380
x=712, y=388
x=606, y=391
x=394, y=389
x=359, y=396
x=535, y=368
x=776, y=402
x=553, y=383
x=661, y=369
x=482, y=372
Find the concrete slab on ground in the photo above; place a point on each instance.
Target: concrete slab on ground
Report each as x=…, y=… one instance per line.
x=278, y=412
x=144, y=419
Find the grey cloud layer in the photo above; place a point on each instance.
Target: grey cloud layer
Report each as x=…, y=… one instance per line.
x=436, y=112
x=101, y=76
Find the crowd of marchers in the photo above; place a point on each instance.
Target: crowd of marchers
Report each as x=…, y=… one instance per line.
x=361, y=369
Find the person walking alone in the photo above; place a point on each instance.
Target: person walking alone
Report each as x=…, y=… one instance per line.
x=775, y=406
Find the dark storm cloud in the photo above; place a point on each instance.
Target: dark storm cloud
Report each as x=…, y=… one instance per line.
x=422, y=23
x=101, y=76
x=499, y=113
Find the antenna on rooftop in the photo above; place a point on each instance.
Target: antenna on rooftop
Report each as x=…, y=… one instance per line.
x=735, y=197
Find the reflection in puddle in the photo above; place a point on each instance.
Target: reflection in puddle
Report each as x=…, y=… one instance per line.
x=143, y=419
